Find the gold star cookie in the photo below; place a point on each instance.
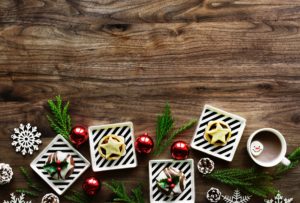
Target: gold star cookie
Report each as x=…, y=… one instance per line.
x=111, y=147
x=217, y=133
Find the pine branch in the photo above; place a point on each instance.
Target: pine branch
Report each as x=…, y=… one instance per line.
x=164, y=127
x=138, y=194
x=29, y=180
x=170, y=139
x=78, y=197
x=33, y=189
x=25, y=174
x=248, y=180
x=119, y=190
x=294, y=157
x=27, y=192
x=60, y=120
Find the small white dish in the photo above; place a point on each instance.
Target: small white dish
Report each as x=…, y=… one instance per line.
x=125, y=130
x=187, y=166
x=60, y=144
x=236, y=123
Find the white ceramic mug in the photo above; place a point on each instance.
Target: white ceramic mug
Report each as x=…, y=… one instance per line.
x=280, y=158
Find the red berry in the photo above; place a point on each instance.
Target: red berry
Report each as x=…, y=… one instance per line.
x=169, y=180
x=58, y=168
x=58, y=162
x=172, y=185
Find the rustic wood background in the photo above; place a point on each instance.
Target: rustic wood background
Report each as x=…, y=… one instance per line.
x=122, y=60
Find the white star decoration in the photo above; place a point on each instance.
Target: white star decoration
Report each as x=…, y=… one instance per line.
x=26, y=139
x=14, y=199
x=236, y=198
x=279, y=199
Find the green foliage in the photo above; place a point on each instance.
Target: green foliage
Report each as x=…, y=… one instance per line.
x=164, y=182
x=33, y=189
x=27, y=192
x=25, y=174
x=294, y=157
x=52, y=167
x=78, y=197
x=60, y=120
x=164, y=126
x=248, y=180
x=119, y=190
x=138, y=194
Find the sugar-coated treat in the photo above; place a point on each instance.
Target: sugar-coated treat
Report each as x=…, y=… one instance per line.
x=217, y=133
x=112, y=147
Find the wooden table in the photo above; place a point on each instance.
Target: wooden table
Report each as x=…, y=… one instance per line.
x=123, y=60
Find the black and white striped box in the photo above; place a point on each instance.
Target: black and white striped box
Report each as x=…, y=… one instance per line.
x=60, y=144
x=125, y=130
x=186, y=166
x=236, y=123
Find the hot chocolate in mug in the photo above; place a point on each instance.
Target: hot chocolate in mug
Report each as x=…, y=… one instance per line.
x=267, y=147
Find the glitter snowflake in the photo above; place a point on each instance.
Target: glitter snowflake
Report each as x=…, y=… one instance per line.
x=14, y=199
x=26, y=139
x=279, y=199
x=236, y=198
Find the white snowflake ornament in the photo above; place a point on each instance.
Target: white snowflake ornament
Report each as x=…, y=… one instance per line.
x=236, y=198
x=26, y=139
x=14, y=199
x=279, y=199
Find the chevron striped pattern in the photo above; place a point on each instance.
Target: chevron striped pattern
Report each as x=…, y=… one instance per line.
x=186, y=166
x=122, y=129
x=60, y=144
x=236, y=123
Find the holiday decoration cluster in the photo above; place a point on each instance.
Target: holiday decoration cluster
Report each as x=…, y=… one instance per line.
x=114, y=146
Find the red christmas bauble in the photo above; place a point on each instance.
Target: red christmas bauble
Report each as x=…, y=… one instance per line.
x=79, y=135
x=91, y=186
x=179, y=150
x=144, y=144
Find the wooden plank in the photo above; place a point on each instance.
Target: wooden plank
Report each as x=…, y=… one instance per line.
x=122, y=60
x=82, y=14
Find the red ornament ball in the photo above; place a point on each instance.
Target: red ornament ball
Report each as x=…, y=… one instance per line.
x=79, y=135
x=91, y=186
x=179, y=150
x=144, y=144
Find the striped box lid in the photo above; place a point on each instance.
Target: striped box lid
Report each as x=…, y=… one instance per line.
x=125, y=130
x=236, y=123
x=186, y=166
x=59, y=143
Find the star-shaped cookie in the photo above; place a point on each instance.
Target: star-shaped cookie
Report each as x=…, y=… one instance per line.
x=217, y=133
x=112, y=147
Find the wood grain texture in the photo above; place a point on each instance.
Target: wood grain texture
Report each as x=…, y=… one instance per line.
x=122, y=60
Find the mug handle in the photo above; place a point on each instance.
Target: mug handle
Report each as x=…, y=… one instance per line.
x=285, y=161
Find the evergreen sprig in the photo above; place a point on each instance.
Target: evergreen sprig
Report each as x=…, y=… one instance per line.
x=249, y=181
x=60, y=120
x=27, y=192
x=169, y=140
x=164, y=126
x=118, y=188
x=294, y=157
x=78, y=197
x=32, y=189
